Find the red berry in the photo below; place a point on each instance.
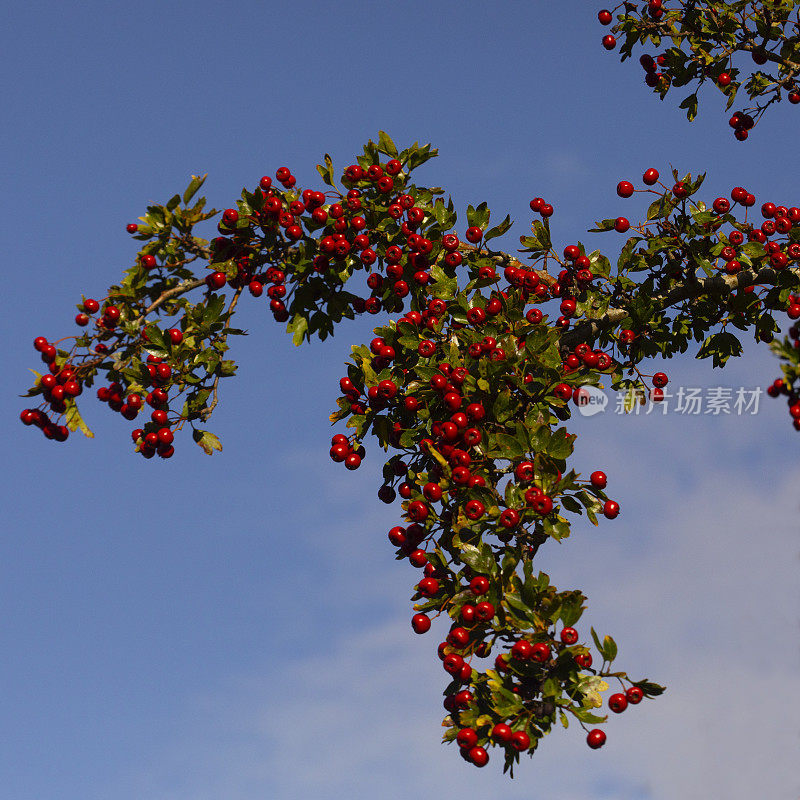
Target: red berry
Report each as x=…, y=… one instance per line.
x=624, y=188
x=598, y=479
x=618, y=702
x=479, y=585
x=540, y=652
x=610, y=509
x=621, y=225
x=474, y=509
x=132, y=227
x=596, y=738
x=502, y=733
x=478, y=756
x=542, y=503
x=609, y=42
x=467, y=738
x=353, y=461
x=650, y=176
x=216, y=280
x=453, y=662
x=722, y=205
x=584, y=660
x=604, y=17
x=634, y=695
x=569, y=636
x=420, y=623
x=724, y=79
x=474, y=234
x=520, y=741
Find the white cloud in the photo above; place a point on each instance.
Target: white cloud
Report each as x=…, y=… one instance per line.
x=700, y=591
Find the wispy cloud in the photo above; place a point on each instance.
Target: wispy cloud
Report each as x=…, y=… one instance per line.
x=707, y=607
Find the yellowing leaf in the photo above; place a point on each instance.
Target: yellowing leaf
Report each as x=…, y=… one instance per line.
x=75, y=421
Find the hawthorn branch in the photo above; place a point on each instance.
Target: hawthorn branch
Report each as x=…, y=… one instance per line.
x=181, y=288
x=207, y=411
x=589, y=329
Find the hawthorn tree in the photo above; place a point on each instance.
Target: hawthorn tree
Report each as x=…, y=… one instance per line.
x=468, y=381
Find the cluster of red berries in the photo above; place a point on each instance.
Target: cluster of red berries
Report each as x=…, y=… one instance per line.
x=156, y=436
x=343, y=452
x=468, y=631
x=59, y=385
x=521, y=653
x=618, y=702
x=605, y=17
x=539, y=206
x=345, y=233
x=785, y=386
x=778, y=220
x=583, y=356
x=657, y=74
x=742, y=124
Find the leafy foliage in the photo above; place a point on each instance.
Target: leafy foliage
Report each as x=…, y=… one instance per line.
x=469, y=387
x=701, y=41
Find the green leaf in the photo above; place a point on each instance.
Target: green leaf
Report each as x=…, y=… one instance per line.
x=298, y=326
x=588, y=717
x=479, y=216
x=213, y=309
x=505, y=446
x=661, y=207
x=571, y=504
x=498, y=230
x=720, y=346
x=519, y=605
x=481, y=560
x=609, y=648
x=207, y=440
x=561, y=444
x=156, y=343
x=326, y=172
x=191, y=190
x=650, y=689
x=603, y=225
x=690, y=104
x=443, y=285
x=386, y=145
x=571, y=607
x=541, y=230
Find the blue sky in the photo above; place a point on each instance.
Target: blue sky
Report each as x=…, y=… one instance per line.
x=236, y=627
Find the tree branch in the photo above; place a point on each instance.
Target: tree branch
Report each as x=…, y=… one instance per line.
x=716, y=284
